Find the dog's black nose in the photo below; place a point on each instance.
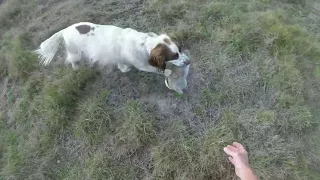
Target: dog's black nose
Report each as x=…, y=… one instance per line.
x=187, y=62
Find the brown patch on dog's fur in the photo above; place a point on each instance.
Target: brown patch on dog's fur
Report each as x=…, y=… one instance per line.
x=160, y=55
x=167, y=41
x=83, y=29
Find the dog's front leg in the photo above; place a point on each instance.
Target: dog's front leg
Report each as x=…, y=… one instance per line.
x=124, y=68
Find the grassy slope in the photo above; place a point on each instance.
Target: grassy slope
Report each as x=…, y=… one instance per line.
x=255, y=79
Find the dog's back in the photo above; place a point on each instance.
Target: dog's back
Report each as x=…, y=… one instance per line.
x=93, y=41
x=105, y=44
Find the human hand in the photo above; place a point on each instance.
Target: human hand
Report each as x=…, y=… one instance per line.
x=238, y=156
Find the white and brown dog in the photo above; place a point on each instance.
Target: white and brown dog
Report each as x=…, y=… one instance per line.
x=107, y=45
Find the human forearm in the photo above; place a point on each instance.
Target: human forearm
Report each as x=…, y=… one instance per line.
x=248, y=174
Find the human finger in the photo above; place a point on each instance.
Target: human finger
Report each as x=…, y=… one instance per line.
x=230, y=150
x=239, y=146
x=231, y=159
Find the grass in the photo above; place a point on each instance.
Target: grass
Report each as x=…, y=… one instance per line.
x=18, y=61
x=254, y=79
x=22, y=62
x=101, y=166
x=13, y=11
x=138, y=128
x=95, y=120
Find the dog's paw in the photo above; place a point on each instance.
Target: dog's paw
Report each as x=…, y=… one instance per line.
x=167, y=72
x=124, y=68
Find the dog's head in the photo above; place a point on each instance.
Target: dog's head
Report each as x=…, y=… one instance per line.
x=165, y=50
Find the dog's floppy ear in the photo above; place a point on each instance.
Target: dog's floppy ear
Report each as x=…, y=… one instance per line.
x=160, y=55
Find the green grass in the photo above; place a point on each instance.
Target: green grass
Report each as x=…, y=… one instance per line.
x=173, y=157
x=138, y=128
x=14, y=12
x=94, y=121
x=16, y=56
x=254, y=79
x=101, y=166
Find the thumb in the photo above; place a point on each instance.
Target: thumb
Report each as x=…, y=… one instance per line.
x=231, y=159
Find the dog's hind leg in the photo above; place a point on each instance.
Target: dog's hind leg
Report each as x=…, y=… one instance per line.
x=74, y=59
x=73, y=55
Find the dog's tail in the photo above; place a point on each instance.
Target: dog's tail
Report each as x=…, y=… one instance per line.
x=49, y=48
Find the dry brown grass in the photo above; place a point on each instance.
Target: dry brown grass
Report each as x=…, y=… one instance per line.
x=254, y=79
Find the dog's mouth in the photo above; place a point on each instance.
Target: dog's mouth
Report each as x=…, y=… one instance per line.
x=187, y=62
